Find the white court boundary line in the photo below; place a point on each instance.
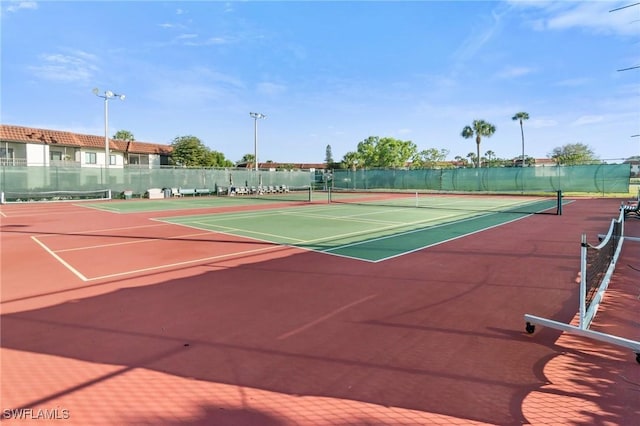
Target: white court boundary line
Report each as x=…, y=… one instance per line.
x=243, y=232
x=151, y=239
x=139, y=240
x=59, y=259
x=103, y=230
x=186, y=262
x=160, y=222
x=325, y=317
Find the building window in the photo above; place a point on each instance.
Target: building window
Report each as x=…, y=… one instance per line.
x=55, y=156
x=90, y=158
x=6, y=156
x=112, y=160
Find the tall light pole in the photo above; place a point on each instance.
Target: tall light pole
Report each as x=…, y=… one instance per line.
x=108, y=94
x=256, y=116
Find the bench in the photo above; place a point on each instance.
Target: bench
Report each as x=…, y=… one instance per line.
x=203, y=191
x=184, y=191
x=632, y=207
x=154, y=193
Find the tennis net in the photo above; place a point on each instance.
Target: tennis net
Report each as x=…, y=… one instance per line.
x=597, y=264
x=48, y=196
x=498, y=203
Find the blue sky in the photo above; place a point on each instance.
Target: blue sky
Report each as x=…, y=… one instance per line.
x=328, y=73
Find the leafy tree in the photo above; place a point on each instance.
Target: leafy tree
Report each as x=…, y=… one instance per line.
x=189, y=151
x=521, y=116
x=479, y=128
x=217, y=159
x=385, y=152
x=572, y=154
x=328, y=157
x=491, y=158
x=351, y=160
x=247, y=159
x=429, y=158
x=124, y=135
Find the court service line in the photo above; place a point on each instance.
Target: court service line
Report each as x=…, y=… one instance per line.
x=348, y=218
x=324, y=317
x=384, y=228
x=59, y=259
x=138, y=241
x=413, y=231
x=241, y=232
x=254, y=234
x=186, y=262
x=108, y=229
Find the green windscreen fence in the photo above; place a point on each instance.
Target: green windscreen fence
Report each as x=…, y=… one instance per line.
x=598, y=178
x=140, y=179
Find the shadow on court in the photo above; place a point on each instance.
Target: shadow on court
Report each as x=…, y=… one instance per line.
x=438, y=331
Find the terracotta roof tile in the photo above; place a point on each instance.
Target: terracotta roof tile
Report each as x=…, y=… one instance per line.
x=57, y=137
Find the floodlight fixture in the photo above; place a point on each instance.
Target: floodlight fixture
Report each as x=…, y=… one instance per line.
x=108, y=94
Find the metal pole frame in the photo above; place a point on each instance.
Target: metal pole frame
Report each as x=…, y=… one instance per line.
x=256, y=116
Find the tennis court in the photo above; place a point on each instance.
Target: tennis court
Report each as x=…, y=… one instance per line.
x=371, y=230
x=398, y=309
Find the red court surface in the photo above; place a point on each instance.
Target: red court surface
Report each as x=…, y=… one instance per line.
x=119, y=319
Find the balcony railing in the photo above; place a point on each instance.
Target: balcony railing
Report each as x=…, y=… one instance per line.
x=13, y=162
x=22, y=162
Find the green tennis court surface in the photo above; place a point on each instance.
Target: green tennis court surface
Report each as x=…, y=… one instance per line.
x=369, y=232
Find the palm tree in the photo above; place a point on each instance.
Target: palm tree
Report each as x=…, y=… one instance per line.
x=124, y=135
x=472, y=157
x=521, y=116
x=478, y=129
x=490, y=154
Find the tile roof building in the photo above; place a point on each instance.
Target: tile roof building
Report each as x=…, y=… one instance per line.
x=32, y=146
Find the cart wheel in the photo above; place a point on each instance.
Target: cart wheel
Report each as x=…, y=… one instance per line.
x=531, y=328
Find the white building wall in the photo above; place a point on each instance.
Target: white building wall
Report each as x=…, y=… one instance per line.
x=37, y=155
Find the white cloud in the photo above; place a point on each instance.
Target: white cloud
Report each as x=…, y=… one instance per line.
x=15, y=6
x=271, y=88
x=513, y=72
x=541, y=123
x=76, y=65
x=218, y=40
x=488, y=28
x=573, y=82
x=192, y=40
x=587, y=119
x=595, y=16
